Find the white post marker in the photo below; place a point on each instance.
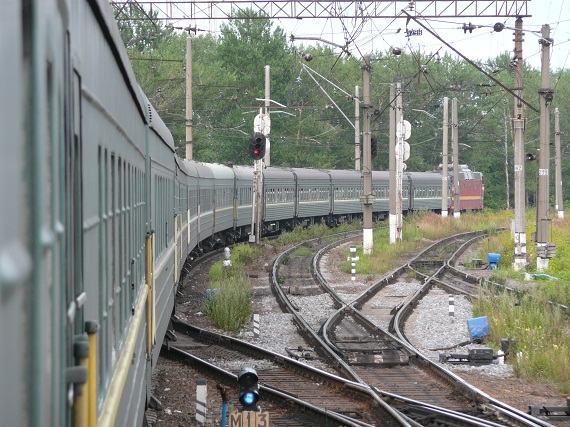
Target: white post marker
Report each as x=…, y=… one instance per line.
x=451, y=306
x=201, y=397
x=354, y=258
x=256, y=325
x=227, y=262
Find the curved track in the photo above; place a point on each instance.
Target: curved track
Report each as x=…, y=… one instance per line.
x=373, y=356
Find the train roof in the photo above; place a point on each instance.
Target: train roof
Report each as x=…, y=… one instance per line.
x=243, y=172
x=275, y=172
x=303, y=173
x=380, y=176
x=221, y=171
x=425, y=177
x=156, y=124
x=204, y=170
x=109, y=27
x=345, y=174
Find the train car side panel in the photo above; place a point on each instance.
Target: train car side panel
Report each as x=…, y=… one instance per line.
x=243, y=196
x=347, y=187
x=15, y=255
x=279, y=194
x=313, y=194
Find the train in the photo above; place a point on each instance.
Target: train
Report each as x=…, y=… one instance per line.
x=99, y=215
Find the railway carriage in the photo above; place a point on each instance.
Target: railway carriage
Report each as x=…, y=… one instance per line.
x=100, y=215
x=347, y=187
x=16, y=255
x=224, y=190
x=190, y=175
x=279, y=189
x=243, y=200
x=381, y=189
x=205, y=205
x=426, y=190
x=313, y=195
x=181, y=214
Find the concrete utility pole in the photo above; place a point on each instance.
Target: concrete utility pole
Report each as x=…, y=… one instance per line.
x=267, y=157
x=518, y=123
x=506, y=150
x=544, y=249
x=261, y=123
x=455, y=145
x=444, y=182
x=368, y=198
x=188, y=116
x=356, y=128
x=399, y=161
x=558, y=165
x=392, y=219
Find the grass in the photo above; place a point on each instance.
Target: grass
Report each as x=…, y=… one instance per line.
x=542, y=332
x=302, y=252
x=420, y=230
x=298, y=234
x=230, y=307
x=542, y=335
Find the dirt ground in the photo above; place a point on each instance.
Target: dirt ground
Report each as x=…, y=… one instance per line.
x=175, y=384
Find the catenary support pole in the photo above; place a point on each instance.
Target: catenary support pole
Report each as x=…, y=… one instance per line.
x=399, y=159
x=267, y=157
x=444, y=168
x=455, y=144
x=519, y=166
x=188, y=113
x=558, y=165
x=392, y=165
x=546, y=95
x=357, y=147
x=367, y=199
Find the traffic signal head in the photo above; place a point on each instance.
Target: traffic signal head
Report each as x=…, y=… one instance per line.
x=257, y=146
x=373, y=146
x=248, y=389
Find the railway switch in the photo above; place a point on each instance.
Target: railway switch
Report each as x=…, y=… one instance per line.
x=474, y=356
x=248, y=389
x=555, y=413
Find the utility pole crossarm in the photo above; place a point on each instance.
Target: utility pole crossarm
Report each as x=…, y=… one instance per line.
x=282, y=9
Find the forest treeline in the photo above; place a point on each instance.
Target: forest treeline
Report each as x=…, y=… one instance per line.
x=315, y=130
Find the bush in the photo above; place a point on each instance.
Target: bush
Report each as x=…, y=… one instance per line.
x=230, y=307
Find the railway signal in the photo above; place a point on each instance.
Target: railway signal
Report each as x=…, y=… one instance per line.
x=257, y=146
x=373, y=146
x=248, y=389
x=530, y=157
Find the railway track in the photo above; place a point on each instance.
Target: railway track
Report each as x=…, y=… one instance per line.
x=296, y=394
x=379, y=378
x=387, y=362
